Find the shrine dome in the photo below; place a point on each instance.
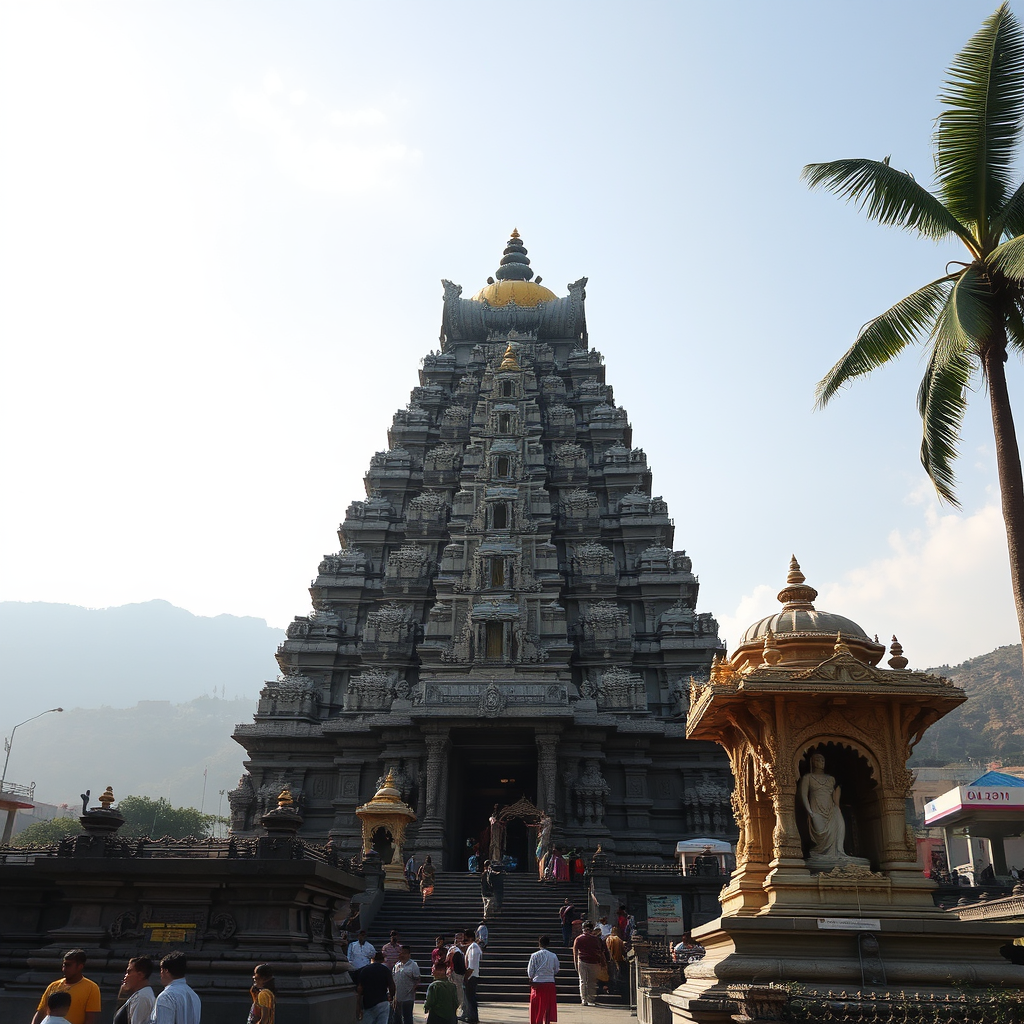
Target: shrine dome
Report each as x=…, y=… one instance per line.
x=513, y=282
x=802, y=632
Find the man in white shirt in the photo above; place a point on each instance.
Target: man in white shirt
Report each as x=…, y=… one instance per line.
x=360, y=953
x=473, y=953
x=541, y=970
x=135, y=987
x=407, y=979
x=177, y=1004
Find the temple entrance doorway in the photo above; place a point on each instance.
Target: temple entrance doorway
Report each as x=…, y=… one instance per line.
x=488, y=767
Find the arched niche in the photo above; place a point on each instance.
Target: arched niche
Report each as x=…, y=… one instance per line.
x=383, y=841
x=859, y=798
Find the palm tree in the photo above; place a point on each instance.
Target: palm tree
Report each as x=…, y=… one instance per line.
x=973, y=314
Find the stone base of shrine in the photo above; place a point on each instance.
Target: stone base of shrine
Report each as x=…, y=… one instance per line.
x=753, y=962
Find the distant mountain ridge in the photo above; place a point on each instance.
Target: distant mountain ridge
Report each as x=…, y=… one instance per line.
x=62, y=654
x=195, y=676
x=990, y=725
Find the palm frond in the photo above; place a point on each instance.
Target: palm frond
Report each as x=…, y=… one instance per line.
x=977, y=133
x=1008, y=258
x=1010, y=219
x=1014, y=320
x=941, y=401
x=968, y=316
x=884, y=337
x=889, y=196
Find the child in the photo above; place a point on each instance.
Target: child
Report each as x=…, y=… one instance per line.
x=57, y=1006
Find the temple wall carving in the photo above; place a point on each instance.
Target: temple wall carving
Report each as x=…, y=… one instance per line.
x=509, y=573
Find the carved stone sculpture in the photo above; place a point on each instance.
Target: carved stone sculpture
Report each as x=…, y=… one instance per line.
x=819, y=795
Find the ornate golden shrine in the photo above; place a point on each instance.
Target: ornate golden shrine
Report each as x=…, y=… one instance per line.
x=387, y=810
x=802, y=694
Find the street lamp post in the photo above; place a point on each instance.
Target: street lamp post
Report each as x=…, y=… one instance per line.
x=8, y=743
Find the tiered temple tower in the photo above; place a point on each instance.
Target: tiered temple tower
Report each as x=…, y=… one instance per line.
x=506, y=616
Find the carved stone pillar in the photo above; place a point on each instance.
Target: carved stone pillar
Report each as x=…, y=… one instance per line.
x=436, y=761
x=421, y=789
x=431, y=836
x=570, y=771
x=547, y=771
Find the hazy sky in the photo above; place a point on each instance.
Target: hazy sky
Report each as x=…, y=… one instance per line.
x=224, y=227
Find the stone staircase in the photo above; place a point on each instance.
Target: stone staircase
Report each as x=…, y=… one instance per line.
x=530, y=909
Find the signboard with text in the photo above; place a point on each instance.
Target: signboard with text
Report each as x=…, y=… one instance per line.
x=972, y=799
x=665, y=915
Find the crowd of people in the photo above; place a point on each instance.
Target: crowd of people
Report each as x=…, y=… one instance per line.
x=388, y=979
x=75, y=999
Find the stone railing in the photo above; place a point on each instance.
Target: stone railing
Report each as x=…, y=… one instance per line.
x=189, y=848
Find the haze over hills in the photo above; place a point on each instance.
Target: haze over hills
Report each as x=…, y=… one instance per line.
x=99, y=664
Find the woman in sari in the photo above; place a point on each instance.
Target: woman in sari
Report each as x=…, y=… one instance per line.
x=426, y=875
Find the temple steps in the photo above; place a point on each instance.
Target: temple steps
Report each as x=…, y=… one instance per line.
x=530, y=909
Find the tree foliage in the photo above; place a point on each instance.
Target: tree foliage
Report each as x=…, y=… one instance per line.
x=972, y=316
x=144, y=817
x=158, y=818
x=47, y=833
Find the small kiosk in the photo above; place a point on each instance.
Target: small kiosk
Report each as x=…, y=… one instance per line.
x=991, y=808
x=704, y=857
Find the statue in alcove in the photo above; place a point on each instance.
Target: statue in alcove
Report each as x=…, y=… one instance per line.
x=819, y=793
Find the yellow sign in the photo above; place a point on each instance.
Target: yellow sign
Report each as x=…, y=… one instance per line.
x=161, y=931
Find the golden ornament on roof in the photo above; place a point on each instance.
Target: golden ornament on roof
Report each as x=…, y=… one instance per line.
x=509, y=361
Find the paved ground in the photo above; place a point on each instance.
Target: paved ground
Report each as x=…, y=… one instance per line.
x=570, y=1013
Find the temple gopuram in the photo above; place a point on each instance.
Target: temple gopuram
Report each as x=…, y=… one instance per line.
x=506, y=623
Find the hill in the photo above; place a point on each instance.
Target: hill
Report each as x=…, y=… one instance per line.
x=990, y=725
x=150, y=693
x=155, y=749
x=61, y=654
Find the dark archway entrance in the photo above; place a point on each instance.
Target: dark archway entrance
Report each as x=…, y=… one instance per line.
x=496, y=766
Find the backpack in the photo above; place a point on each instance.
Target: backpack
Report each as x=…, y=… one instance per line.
x=455, y=962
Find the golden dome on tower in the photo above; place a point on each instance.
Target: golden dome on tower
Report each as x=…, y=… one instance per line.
x=513, y=282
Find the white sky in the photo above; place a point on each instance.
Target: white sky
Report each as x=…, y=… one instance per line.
x=223, y=228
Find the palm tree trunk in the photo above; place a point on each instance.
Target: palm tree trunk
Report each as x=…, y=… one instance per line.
x=1011, y=481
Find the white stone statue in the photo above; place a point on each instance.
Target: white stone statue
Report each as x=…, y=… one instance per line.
x=820, y=796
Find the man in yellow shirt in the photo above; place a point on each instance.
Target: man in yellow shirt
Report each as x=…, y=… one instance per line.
x=85, y=994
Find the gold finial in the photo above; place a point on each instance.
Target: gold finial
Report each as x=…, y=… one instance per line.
x=796, y=593
x=840, y=647
x=772, y=654
x=897, y=660
x=284, y=799
x=795, y=576
x=515, y=233
x=389, y=792
x=107, y=798
x=509, y=360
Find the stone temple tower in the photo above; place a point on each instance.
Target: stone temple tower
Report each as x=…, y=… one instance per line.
x=506, y=616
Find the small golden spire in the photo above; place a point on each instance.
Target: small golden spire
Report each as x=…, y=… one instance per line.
x=772, y=653
x=794, y=576
x=107, y=798
x=840, y=647
x=897, y=660
x=515, y=233
x=509, y=363
x=284, y=799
